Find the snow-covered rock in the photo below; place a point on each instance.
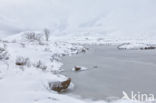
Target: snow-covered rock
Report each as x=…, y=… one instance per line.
x=79, y=68
x=60, y=86
x=136, y=46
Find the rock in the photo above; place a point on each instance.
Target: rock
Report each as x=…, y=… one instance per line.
x=21, y=61
x=77, y=68
x=83, y=50
x=95, y=66
x=60, y=86
x=148, y=48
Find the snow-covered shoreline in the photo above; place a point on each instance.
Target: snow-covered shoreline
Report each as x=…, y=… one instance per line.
x=29, y=84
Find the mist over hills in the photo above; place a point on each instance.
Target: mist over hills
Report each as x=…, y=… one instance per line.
x=114, y=18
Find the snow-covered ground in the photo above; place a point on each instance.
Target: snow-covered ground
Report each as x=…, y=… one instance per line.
x=29, y=84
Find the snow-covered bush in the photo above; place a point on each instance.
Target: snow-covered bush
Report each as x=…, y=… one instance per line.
x=21, y=61
x=40, y=65
x=55, y=57
x=32, y=36
x=3, y=54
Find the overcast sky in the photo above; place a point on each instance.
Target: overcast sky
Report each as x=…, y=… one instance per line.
x=125, y=17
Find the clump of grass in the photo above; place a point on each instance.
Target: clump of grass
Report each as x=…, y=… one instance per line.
x=21, y=61
x=40, y=65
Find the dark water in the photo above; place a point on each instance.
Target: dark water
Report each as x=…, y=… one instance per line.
x=117, y=71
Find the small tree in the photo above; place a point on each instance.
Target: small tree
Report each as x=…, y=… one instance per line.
x=47, y=33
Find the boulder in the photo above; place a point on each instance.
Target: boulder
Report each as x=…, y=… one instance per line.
x=60, y=85
x=79, y=68
x=76, y=68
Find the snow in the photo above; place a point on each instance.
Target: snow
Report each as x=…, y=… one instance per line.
x=72, y=23
x=29, y=84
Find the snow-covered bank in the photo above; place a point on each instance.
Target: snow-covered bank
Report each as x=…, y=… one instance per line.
x=29, y=83
x=123, y=43
x=137, y=46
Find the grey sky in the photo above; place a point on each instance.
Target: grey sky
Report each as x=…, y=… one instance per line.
x=101, y=16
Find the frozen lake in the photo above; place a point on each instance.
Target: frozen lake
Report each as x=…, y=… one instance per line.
x=117, y=71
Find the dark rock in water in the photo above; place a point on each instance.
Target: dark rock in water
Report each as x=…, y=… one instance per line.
x=148, y=48
x=77, y=68
x=83, y=50
x=60, y=86
x=95, y=66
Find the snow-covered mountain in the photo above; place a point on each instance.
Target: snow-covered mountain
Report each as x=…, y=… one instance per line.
x=113, y=18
